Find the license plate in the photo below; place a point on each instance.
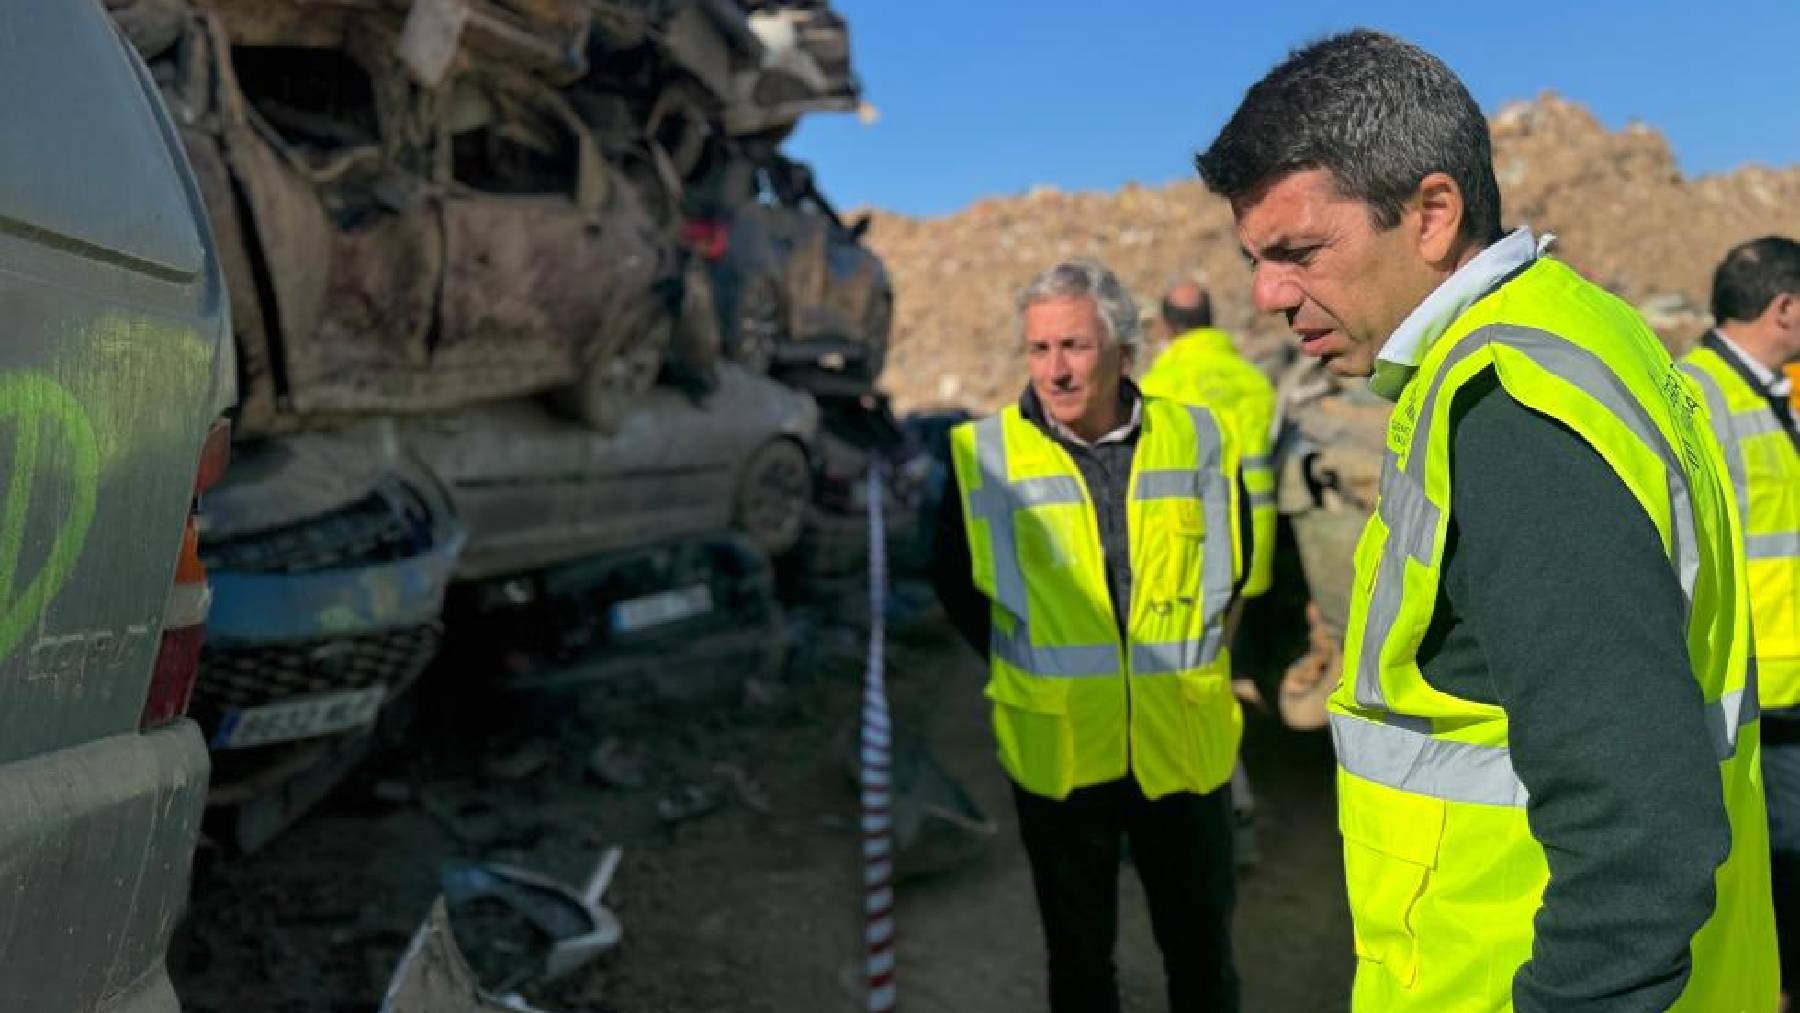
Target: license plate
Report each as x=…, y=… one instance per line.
x=301, y=718
x=664, y=607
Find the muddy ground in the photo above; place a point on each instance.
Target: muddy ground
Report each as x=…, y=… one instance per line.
x=751, y=905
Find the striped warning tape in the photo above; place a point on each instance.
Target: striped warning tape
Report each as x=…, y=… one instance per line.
x=877, y=776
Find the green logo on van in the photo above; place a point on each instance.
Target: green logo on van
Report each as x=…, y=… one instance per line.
x=51, y=438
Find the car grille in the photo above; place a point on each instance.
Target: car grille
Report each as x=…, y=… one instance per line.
x=232, y=677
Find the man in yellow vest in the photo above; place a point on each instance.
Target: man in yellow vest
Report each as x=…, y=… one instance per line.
x=1738, y=366
x=1201, y=365
x=1549, y=767
x=1095, y=544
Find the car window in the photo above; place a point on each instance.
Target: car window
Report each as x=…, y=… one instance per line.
x=503, y=143
x=320, y=101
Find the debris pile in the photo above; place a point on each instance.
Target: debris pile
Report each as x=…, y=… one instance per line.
x=1621, y=209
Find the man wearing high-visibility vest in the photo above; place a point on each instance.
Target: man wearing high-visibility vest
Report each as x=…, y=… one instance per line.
x=1738, y=366
x=1201, y=365
x=1549, y=778
x=1093, y=547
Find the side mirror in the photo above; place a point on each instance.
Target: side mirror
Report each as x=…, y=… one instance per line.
x=860, y=227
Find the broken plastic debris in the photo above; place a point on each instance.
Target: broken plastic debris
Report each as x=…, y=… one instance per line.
x=579, y=926
x=434, y=977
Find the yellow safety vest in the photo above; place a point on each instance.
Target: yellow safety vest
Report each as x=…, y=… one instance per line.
x=1203, y=367
x=1765, y=468
x=1073, y=706
x=1444, y=874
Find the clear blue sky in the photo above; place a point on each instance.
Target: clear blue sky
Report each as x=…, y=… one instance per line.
x=981, y=97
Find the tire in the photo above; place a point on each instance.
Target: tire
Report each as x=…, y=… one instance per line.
x=774, y=491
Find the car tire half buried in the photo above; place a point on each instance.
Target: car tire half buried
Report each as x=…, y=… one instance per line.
x=773, y=492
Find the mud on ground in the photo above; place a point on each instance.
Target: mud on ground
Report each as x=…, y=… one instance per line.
x=752, y=902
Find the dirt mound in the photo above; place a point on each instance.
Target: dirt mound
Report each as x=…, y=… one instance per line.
x=1622, y=211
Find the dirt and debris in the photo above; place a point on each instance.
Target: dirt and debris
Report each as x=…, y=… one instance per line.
x=1621, y=209
x=755, y=906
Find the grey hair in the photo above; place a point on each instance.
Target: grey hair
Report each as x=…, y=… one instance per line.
x=1090, y=279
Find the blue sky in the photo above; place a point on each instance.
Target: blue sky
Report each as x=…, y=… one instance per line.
x=982, y=97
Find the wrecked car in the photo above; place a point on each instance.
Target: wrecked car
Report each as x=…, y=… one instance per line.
x=798, y=293
x=692, y=617
x=330, y=555
x=396, y=248
x=116, y=378
x=534, y=490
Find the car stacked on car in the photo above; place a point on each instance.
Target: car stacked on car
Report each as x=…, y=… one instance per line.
x=537, y=331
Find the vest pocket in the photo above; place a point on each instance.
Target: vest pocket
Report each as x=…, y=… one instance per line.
x=1033, y=730
x=1391, y=841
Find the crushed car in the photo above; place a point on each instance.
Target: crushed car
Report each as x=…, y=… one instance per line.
x=393, y=248
x=534, y=490
x=330, y=555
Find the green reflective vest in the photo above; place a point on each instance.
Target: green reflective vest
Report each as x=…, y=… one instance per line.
x=1444, y=875
x=1203, y=367
x=1073, y=705
x=1764, y=464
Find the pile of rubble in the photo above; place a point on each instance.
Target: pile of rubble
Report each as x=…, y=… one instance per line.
x=1620, y=207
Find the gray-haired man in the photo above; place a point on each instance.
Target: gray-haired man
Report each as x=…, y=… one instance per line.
x=1105, y=637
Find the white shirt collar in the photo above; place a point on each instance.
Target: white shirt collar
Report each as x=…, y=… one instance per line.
x=1406, y=347
x=1774, y=383
x=1118, y=435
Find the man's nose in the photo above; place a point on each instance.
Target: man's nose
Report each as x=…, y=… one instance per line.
x=1272, y=289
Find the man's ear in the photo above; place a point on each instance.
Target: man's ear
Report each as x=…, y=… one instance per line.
x=1440, y=206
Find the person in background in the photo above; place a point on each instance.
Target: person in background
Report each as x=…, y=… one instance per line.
x=1202, y=365
x=1095, y=544
x=1739, y=367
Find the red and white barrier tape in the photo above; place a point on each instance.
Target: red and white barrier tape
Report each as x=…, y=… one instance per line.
x=877, y=776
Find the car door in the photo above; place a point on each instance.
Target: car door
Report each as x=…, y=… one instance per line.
x=548, y=259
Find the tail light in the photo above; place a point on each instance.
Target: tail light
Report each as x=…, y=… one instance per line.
x=707, y=237
x=184, y=615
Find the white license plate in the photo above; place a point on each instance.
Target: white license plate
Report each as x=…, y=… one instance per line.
x=301, y=718
x=665, y=607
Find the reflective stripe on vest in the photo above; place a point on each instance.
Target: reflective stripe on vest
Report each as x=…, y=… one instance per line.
x=998, y=502
x=1412, y=519
x=1401, y=754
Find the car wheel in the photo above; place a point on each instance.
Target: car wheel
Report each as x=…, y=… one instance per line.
x=611, y=388
x=773, y=493
x=757, y=329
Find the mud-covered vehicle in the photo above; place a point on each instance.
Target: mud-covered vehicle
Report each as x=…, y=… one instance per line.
x=393, y=247
x=798, y=292
x=117, y=367
x=534, y=491
x=330, y=554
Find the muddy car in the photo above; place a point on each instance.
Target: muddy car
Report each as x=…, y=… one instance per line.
x=798, y=293
x=396, y=248
x=534, y=490
x=117, y=369
x=330, y=555
x=691, y=617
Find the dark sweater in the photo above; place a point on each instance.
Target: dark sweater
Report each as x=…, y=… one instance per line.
x=1559, y=604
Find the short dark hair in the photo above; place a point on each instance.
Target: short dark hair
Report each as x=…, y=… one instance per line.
x=1752, y=275
x=1378, y=113
x=1188, y=318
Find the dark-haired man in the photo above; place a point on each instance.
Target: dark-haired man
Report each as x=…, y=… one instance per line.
x=1546, y=729
x=1738, y=365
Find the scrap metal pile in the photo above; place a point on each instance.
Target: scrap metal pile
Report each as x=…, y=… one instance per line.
x=532, y=315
